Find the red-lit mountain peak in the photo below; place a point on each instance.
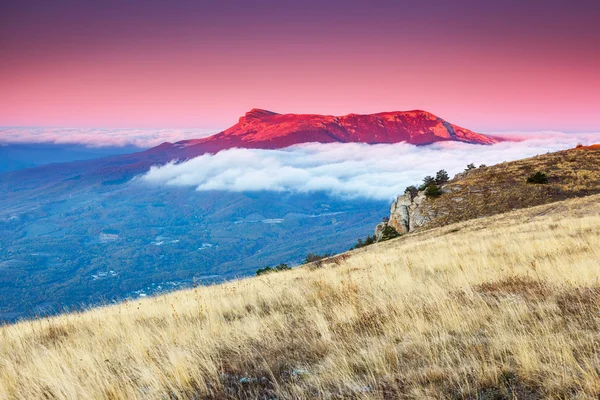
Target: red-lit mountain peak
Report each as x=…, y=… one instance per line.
x=262, y=129
x=269, y=130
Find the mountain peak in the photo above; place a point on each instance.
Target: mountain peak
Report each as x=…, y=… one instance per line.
x=264, y=129
x=258, y=113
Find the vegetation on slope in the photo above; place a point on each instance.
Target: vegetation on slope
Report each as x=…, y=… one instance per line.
x=485, y=191
x=503, y=307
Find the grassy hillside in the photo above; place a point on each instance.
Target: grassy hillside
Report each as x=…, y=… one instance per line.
x=503, y=307
x=503, y=187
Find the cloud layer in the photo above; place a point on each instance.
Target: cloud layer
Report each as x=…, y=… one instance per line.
x=143, y=138
x=349, y=170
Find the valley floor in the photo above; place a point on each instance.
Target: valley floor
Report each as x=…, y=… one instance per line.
x=501, y=307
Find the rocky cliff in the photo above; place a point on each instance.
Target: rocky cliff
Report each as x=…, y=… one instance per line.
x=407, y=213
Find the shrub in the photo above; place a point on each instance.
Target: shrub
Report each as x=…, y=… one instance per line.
x=433, y=191
x=262, y=271
x=312, y=257
x=470, y=167
x=389, y=232
x=411, y=190
x=539, y=178
x=362, y=243
x=282, y=267
x=428, y=180
x=277, y=268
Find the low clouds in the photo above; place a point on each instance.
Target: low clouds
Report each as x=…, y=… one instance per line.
x=349, y=170
x=143, y=138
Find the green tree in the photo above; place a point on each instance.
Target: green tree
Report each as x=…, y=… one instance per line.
x=428, y=180
x=441, y=177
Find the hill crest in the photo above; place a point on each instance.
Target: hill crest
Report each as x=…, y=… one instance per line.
x=485, y=191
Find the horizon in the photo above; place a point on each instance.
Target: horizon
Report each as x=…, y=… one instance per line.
x=491, y=67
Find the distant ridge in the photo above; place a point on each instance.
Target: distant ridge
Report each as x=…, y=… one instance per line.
x=269, y=130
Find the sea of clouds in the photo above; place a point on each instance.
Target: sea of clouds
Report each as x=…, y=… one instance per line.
x=353, y=170
x=142, y=138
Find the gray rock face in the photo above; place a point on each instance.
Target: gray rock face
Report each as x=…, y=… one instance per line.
x=419, y=213
x=406, y=214
x=400, y=214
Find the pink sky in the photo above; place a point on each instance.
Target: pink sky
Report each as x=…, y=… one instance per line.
x=485, y=67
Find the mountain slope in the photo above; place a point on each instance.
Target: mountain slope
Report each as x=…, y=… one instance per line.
x=501, y=188
x=501, y=307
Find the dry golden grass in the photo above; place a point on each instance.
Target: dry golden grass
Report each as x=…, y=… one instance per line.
x=503, y=307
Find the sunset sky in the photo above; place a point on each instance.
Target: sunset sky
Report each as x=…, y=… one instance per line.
x=489, y=66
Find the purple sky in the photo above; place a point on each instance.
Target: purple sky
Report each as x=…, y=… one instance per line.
x=485, y=65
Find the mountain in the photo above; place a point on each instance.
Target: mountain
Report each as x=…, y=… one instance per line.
x=268, y=130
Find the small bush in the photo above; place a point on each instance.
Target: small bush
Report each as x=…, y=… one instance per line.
x=428, y=180
x=277, y=268
x=389, y=232
x=412, y=191
x=312, y=257
x=470, y=167
x=362, y=243
x=433, y=191
x=262, y=271
x=538, y=178
x=282, y=267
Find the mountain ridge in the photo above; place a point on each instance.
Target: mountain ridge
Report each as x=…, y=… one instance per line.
x=260, y=128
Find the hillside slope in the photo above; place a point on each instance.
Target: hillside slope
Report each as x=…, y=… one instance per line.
x=500, y=188
x=499, y=307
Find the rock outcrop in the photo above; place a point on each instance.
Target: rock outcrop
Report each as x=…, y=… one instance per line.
x=407, y=213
